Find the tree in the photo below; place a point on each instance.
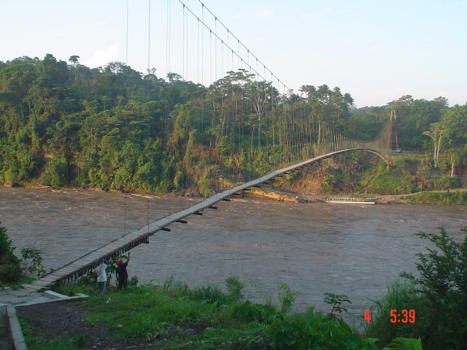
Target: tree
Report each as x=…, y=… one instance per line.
x=74, y=59
x=436, y=133
x=10, y=270
x=443, y=280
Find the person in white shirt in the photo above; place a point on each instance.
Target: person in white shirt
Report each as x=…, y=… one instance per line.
x=102, y=277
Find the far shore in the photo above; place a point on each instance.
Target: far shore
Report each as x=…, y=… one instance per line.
x=277, y=195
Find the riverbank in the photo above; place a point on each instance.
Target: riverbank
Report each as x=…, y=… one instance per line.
x=437, y=198
x=455, y=196
x=173, y=316
x=441, y=197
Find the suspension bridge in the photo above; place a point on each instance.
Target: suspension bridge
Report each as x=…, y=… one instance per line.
x=217, y=49
x=121, y=245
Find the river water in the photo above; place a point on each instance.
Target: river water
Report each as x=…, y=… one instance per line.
x=313, y=247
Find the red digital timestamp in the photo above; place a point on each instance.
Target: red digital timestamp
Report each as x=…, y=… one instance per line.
x=404, y=316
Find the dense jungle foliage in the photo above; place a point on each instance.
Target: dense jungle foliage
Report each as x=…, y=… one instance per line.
x=115, y=128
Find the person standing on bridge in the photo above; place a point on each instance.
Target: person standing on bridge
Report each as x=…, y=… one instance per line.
x=122, y=274
x=102, y=277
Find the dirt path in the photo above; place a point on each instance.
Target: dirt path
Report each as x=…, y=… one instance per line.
x=67, y=319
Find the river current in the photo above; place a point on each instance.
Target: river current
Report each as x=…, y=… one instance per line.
x=313, y=247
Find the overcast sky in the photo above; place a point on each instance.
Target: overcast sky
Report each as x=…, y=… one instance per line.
x=375, y=50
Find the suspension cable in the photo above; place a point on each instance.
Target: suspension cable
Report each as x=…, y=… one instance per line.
x=183, y=43
x=226, y=45
x=126, y=52
x=235, y=37
x=149, y=35
x=167, y=39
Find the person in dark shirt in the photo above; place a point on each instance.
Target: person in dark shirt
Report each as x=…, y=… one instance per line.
x=122, y=274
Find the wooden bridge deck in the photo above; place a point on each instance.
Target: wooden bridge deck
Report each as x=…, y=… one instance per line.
x=119, y=246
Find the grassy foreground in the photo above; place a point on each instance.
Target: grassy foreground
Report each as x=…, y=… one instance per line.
x=173, y=316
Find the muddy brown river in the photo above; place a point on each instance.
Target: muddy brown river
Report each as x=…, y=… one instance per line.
x=313, y=247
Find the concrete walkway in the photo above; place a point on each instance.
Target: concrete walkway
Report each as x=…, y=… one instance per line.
x=11, y=336
x=10, y=330
x=5, y=339
x=10, y=296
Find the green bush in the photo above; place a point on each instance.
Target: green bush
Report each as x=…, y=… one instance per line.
x=314, y=330
x=234, y=287
x=329, y=183
x=10, y=270
x=32, y=262
x=405, y=344
x=55, y=173
x=6, y=247
x=437, y=295
x=337, y=302
x=248, y=312
x=394, y=180
x=402, y=295
x=444, y=182
x=286, y=297
x=9, y=273
x=98, y=178
x=209, y=294
x=11, y=176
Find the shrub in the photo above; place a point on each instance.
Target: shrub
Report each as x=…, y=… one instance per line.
x=133, y=282
x=98, y=178
x=10, y=270
x=32, y=262
x=437, y=294
x=330, y=183
x=444, y=182
x=337, y=302
x=394, y=180
x=402, y=295
x=6, y=247
x=10, y=273
x=286, y=297
x=55, y=173
x=209, y=294
x=314, y=330
x=405, y=344
x=11, y=176
x=234, y=287
x=248, y=312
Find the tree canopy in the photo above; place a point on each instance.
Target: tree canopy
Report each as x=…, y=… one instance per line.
x=115, y=128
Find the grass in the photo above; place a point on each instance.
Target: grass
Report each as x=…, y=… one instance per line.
x=436, y=198
x=17, y=284
x=204, y=316
x=173, y=316
x=46, y=342
x=140, y=313
x=395, y=180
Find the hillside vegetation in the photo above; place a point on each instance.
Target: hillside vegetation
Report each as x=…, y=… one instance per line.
x=64, y=124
